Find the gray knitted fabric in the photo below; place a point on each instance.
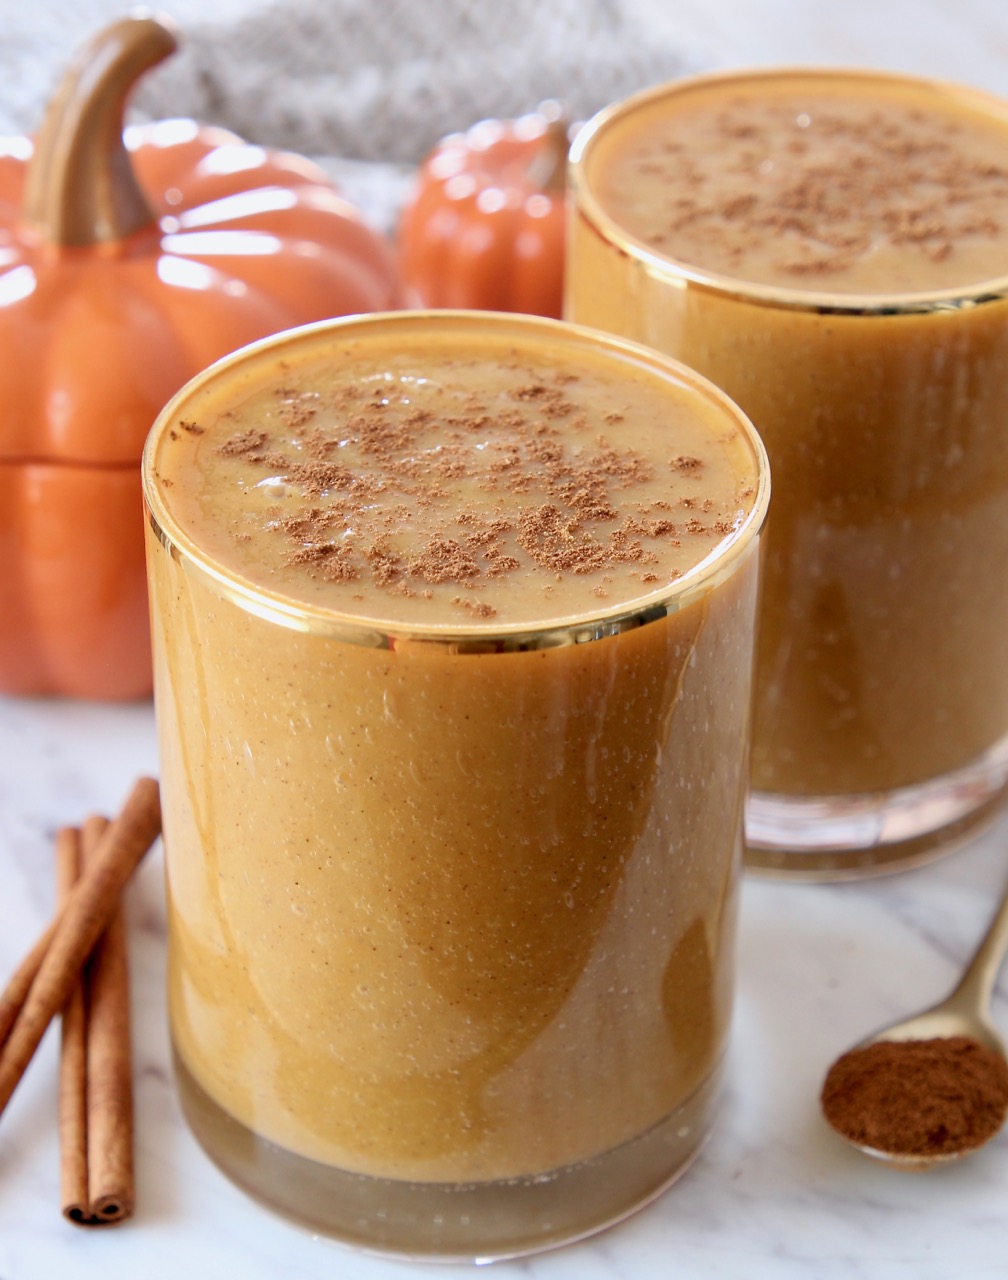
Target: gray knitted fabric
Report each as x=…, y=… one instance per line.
x=365, y=86
x=384, y=79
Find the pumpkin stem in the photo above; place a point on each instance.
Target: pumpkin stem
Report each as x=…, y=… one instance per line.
x=80, y=188
x=547, y=170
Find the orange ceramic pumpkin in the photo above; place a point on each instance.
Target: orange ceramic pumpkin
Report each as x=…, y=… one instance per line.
x=486, y=224
x=128, y=262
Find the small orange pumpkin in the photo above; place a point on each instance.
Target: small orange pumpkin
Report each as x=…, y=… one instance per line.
x=485, y=226
x=129, y=262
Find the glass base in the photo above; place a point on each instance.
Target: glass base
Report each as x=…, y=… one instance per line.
x=850, y=837
x=453, y=1222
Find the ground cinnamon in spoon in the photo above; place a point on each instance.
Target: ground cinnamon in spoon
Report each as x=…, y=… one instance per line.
x=923, y=1098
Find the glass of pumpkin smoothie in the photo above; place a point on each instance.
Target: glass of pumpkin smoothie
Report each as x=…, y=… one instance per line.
x=453, y=628
x=831, y=249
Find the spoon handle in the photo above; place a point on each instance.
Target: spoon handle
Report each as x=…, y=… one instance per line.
x=977, y=983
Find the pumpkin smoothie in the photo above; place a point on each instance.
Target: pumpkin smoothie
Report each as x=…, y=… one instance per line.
x=452, y=623
x=831, y=249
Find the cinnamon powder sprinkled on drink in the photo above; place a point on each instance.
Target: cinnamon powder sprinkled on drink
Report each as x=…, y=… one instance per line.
x=791, y=185
x=372, y=487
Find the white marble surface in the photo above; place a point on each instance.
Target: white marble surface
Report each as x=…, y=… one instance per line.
x=774, y=1196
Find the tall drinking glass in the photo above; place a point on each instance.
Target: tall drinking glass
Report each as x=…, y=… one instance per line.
x=831, y=248
x=453, y=631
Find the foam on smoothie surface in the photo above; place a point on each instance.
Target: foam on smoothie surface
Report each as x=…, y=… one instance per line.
x=453, y=486
x=858, y=187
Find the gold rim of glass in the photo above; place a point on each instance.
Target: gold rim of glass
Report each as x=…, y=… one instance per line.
x=377, y=632
x=823, y=302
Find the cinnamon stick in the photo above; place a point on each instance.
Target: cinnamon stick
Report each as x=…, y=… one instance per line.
x=73, y=1055
x=17, y=988
x=109, y=1063
x=89, y=908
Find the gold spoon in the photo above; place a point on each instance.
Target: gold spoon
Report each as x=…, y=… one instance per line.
x=951, y=1048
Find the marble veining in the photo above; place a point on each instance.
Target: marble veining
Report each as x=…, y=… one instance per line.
x=774, y=1194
